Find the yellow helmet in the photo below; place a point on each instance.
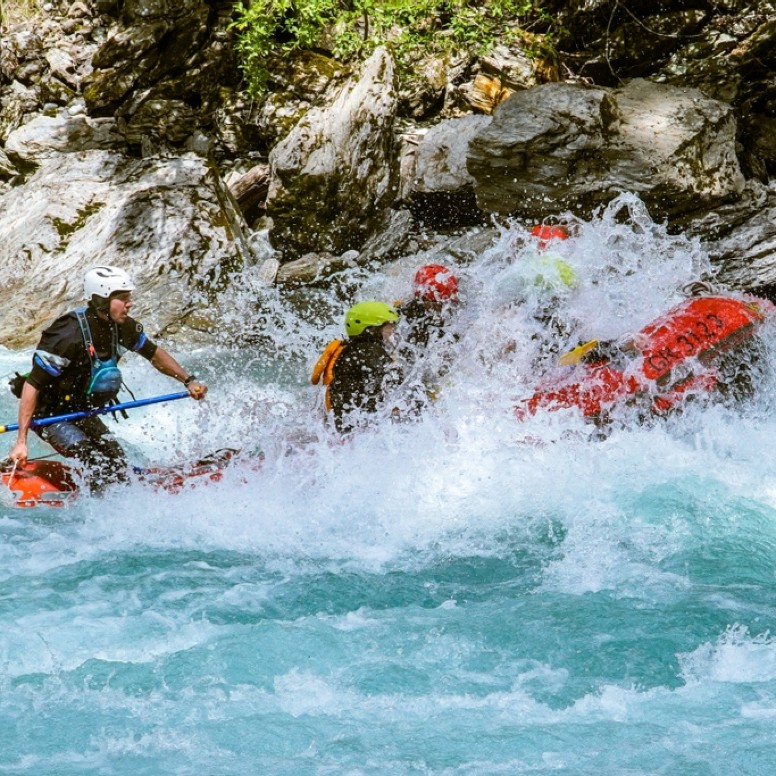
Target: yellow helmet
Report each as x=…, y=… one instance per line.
x=365, y=314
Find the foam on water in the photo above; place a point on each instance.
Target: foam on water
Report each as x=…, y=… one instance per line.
x=463, y=594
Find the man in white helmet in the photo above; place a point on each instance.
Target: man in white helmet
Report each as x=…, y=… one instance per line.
x=75, y=367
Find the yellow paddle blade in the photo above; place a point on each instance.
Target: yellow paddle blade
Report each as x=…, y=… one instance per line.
x=575, y=355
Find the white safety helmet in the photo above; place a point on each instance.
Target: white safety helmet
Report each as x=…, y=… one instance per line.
x=104, y=281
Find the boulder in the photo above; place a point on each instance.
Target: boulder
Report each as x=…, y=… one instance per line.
x=297, y=81
x=441, y=190
x=304, y=75
x=333, y=176
x=514, y=68
x=46, y=135
x=724, y=49
x=505, y=69
x=740, y=238
x=746, y=256
x=163, y=120
x=63, y=65
x=313, y=268
x=388, y=245
x=18, y=104
x=731, y=57
x=234, y=127
x=7, y=169
x=393, y=241
x=563, y=147
x=16, y=47
x=426, y=92
x=166, y=71
x=166, y=221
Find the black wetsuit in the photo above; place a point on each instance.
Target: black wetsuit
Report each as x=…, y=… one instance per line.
x=363, y=373
x=426, y=344
x=424, y=325
x=62, y=371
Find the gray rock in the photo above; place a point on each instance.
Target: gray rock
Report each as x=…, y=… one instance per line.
x=441, y=156
x=441, y=190
x=741, y=238
x=389, y=242
x=310, y=269
x=747, y=257
x=333, y=176
x=162, y=120
x=7, y=169
x=62, y=66
x=514, y=68
x=47, y=135
x=564, y=147
x=166, y=221
x=18, y=104
x=78, y=10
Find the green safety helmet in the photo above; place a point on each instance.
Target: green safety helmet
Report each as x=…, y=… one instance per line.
x=554, y=273
x=365, y=314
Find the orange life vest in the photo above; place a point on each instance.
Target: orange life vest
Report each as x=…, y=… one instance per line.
x=323, y=371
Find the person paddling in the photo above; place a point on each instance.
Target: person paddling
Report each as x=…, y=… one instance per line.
x=425, y=334
x=75, y=368
x=360, y=372
x=537, y=284
x=435, y=293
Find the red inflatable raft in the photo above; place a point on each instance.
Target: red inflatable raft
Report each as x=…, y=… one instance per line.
x=54, y=484
x=672, y=358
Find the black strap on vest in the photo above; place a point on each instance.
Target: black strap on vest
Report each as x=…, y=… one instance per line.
x=86, y=333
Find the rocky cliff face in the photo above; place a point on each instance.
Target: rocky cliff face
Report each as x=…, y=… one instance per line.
x=125, y=137
x=580, y=147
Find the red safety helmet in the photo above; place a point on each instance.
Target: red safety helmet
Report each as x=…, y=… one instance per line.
x=547, y=233
x=435, y=283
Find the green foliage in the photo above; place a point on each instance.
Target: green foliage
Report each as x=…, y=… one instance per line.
x=352, y=29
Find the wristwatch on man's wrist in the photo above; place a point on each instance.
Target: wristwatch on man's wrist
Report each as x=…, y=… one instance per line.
x=189, y=379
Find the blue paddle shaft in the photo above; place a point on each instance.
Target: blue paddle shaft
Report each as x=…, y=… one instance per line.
x=127, y=405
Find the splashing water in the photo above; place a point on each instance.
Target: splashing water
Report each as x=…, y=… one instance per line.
x=435, y=597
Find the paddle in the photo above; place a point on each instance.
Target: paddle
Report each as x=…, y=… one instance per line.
x=575, y=355
x=127, y=405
